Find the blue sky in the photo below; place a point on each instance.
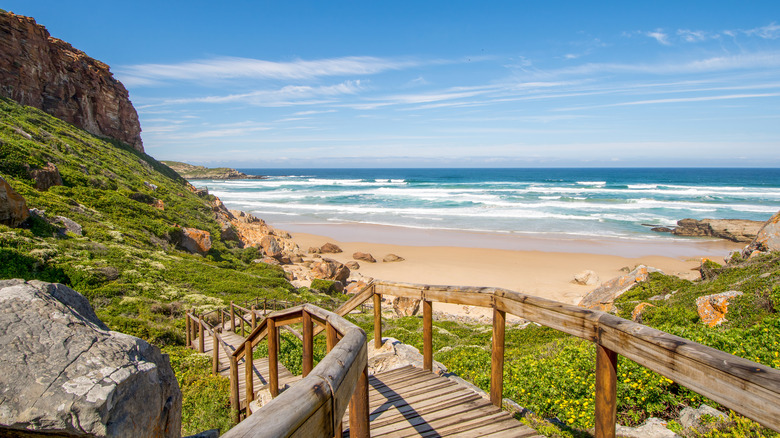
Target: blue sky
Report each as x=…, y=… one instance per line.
x=441, y=83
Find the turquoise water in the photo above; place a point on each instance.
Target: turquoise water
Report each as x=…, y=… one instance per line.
x=616, y=203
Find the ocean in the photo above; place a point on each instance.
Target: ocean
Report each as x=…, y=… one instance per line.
x=564, y=203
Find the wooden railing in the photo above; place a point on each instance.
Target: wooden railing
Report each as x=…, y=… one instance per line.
x=195, y=328
x=747, y=387
x=315, y=406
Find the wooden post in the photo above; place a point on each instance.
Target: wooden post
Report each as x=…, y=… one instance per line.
x=215, y=358
x=606, y=392
x=265, y=306
x=201, y=346
x=497, y=359
x=427, y=335
x=234, y=401
x=254, y=318
x=308, y=344
x=273, y=358
x=232, y=318
x=377, y=321
x=249, y=374
x=188, y=330
x=358, y=408
x=222, y=319
x=331, y=337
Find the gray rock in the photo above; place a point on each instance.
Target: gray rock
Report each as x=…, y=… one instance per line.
x=652, y=428
x=66, y=225
x=691, y=418
x=65, y=373
x=736, y=230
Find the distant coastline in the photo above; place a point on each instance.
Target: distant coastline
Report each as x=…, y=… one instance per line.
x=189, y=171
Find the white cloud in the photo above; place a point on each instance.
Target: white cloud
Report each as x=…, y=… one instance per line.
x=659, y=36
x=232, y=68
x=692, y=36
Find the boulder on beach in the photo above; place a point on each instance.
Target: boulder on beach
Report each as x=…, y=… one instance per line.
x=586, y=278
x=66, y=374
x=603, y=297
x=329, y=269
x=364, y=256
x=330, y=248
x=392, y=258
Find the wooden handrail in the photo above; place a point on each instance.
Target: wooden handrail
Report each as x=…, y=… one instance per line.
x=315, y=405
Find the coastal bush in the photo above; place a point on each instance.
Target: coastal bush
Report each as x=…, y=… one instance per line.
x=206, y=398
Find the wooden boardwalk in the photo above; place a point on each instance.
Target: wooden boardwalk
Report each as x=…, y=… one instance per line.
x=409, y=401
x=260, y=366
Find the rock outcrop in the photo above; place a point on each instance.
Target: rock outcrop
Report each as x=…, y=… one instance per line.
x=736, y=230
x=768, y=237
x=47, y=73
x=603, y=297
x=404, y=306
x=65, y=373
x=13, y=207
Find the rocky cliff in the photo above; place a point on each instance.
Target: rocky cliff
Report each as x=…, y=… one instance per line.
x=48, y=73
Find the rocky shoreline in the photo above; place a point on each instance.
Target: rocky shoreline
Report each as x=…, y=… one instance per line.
x=735, y=230
x=189, y=171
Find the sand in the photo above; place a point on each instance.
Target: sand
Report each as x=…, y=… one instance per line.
x=545, y=269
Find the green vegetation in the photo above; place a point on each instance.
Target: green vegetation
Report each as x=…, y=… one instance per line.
x=126, y=263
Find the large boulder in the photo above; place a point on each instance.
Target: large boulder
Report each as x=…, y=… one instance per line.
x=603, y=297
x=767, y=238
x=13, y=207
x=195, y=240
x=271, y=246
x=65, y=373
x=328, y=269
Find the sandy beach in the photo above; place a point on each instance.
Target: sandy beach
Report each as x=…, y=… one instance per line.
x=544, y=267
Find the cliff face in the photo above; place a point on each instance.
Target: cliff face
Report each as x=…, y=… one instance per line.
x=49, y=74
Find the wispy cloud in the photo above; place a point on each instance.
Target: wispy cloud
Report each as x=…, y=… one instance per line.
x=769, y=32
x=222, y=68
x=660, y=36
x=285, y=96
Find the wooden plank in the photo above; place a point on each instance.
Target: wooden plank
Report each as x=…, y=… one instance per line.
x=497, y=358
x=248, y=374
